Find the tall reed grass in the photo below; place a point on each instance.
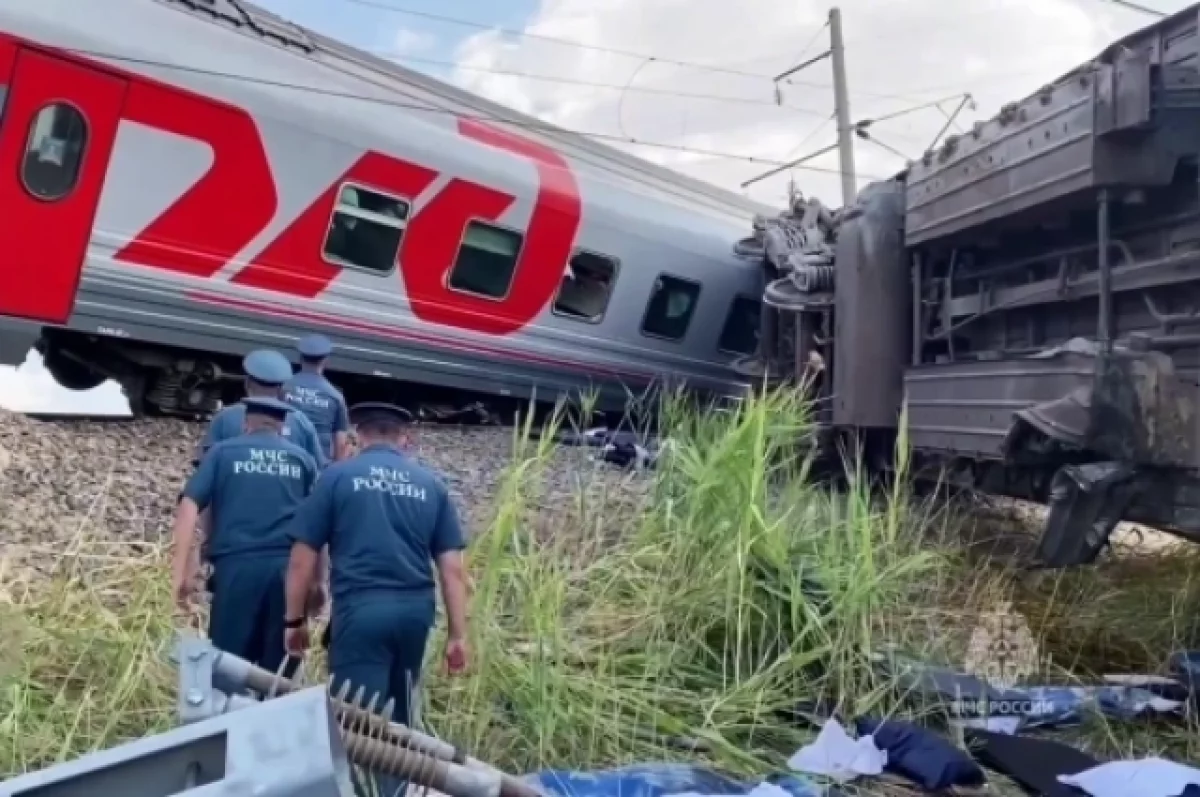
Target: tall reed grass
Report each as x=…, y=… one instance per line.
x=688, y=621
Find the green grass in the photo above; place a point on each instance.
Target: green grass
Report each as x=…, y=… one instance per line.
x=674, y=625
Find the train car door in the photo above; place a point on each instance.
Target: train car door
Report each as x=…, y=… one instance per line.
x=58, y=122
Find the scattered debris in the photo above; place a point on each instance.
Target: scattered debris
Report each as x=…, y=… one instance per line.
x=665, y=780
x=921, y=755
x=621, y=448
x=974, y=703
x=1147, y=777
x=835, y=755
x=1035, y=764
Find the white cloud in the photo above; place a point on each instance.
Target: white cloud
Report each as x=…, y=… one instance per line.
x=30, y=388
x=411, y=42
x=913, y=50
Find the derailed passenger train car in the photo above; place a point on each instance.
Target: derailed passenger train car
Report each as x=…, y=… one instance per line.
x=186, y=180
x=1031, y=291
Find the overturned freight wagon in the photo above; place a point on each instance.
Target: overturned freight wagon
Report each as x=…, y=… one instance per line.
x=1031, y=290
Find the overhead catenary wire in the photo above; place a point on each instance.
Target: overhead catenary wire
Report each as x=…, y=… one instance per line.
x=950, y=119
x=782, y=76
x=687, y=95
x=903, y=95
x=866, y=135
x=412, y=12
x=1141, y=9
x=395, y=103
x=910, y=97
x=859, y=128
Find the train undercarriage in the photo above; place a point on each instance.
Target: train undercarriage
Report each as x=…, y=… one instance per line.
x=163, y=381
x=1055, y=375
x=155, y=380
x=1025, y=301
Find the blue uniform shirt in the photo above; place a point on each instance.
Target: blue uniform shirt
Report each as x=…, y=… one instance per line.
x=230, y=422
x=323, y=404
x=384, y=518
x=253, y=484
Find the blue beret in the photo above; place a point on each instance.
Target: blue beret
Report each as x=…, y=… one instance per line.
x=267, y=406
x=378, y=410
x=314, y=346
x=267, y=367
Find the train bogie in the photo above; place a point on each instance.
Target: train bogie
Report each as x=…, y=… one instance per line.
x=190, y=189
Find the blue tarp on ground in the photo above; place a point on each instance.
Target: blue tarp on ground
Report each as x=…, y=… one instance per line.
x=657, y=780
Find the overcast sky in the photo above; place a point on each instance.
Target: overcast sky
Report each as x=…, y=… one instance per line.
x=900, y=54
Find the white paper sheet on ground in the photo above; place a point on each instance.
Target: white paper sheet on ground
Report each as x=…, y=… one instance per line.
x=835, y=755
x=1147, y=777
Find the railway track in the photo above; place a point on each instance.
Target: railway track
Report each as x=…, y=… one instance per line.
x=471, y=416
x=72, y=417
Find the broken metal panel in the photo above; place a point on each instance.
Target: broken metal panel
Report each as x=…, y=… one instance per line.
x=1127, y=405
x=1086, y=503
x=968, y=408
x=1142, y=413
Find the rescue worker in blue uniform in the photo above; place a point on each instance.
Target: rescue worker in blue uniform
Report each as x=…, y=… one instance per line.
x=266, y=373
x=312, y=394
x=387, y=521
x=253, y=484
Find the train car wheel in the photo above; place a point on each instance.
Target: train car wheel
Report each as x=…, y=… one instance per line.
x=71, y=374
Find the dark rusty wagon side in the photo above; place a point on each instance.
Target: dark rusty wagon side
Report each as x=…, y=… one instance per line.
x=1035, y=298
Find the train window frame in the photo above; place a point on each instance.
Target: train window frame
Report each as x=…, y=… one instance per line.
x=371, y=218
x=79, y=161
x=616, y=272
x=729, y=317
x=448, y=280
x=687, y=327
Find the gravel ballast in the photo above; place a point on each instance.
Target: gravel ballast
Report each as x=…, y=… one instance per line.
x=119, y=480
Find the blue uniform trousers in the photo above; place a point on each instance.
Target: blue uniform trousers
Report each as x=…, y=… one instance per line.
x=248, y=608
x=377, y=643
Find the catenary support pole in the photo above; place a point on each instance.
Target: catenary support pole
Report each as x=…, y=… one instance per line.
x=841, y=100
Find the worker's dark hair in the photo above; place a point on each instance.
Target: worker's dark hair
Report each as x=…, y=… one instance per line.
x=381, y=427
x=311, y=360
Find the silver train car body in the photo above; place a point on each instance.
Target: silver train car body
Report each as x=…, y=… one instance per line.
x=190, y=179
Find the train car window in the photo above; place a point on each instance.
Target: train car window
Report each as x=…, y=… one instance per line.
x=586, y=287
x=366, y=229
x=670, y=308
x=54, y=152
x=740, y=333
x=487, y=260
